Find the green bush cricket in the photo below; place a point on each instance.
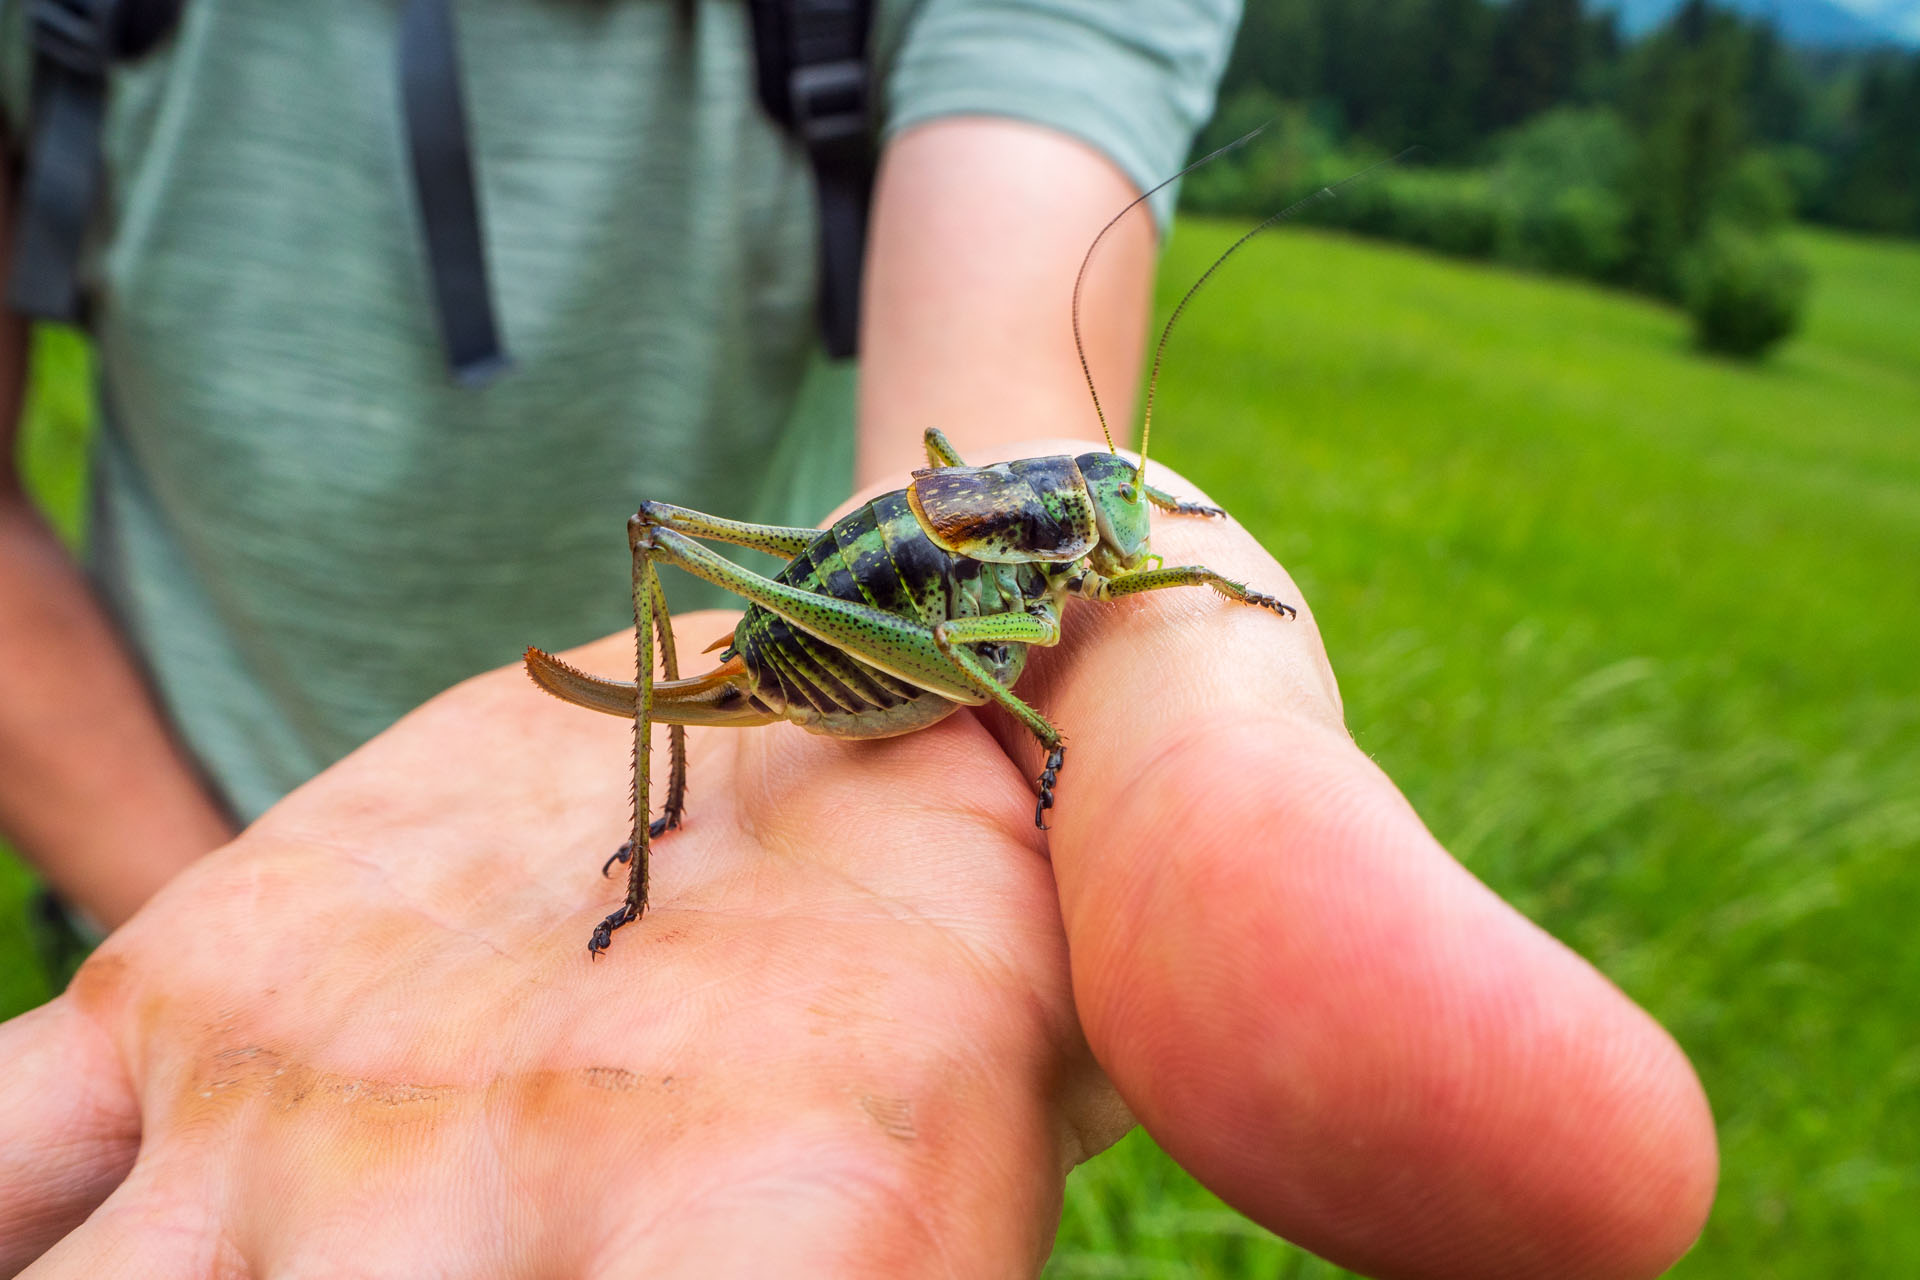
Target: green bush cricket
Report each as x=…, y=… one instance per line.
x=915, y=604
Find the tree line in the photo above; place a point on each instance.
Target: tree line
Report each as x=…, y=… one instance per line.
x=1453, y=75
x=1665, y=164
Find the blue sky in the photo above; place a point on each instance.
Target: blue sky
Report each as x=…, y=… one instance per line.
x=1820, y=21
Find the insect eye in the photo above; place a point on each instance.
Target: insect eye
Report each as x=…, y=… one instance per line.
x=1128, y=493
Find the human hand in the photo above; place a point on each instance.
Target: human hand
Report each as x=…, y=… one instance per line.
x=846, y=1040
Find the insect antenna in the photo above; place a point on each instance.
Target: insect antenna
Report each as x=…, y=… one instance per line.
x=1160, y=349
x=1080, y=279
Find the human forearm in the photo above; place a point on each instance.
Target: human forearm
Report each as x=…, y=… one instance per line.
x=94, y=790
x=980, y=225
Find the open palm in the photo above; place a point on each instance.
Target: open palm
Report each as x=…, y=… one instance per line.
x=851, y=1037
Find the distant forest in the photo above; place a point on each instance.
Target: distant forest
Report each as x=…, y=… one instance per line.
x=1841, y=127
x=1541, y=138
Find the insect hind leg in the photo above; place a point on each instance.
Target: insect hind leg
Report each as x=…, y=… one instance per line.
x=624, y=854
x=676, y=806
x=603, y=932
x=650, y=616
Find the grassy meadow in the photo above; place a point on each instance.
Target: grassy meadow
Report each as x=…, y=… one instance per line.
x=1635, y=630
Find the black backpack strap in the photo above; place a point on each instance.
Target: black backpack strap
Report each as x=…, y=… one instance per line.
x=813, y=78
x=443, y=182
x=73, y=42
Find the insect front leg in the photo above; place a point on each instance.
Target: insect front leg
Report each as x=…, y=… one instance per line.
x=1191, y=575
x=1176, y=506
x=940, y=451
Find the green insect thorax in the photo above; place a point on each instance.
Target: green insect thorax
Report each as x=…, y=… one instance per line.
x=1048, y=510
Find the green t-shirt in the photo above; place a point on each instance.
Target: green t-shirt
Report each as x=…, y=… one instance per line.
x=303, y=526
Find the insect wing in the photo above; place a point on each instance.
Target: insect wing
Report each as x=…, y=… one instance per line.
x=1011, y=513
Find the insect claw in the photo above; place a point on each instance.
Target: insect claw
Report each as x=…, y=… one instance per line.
x=1280, y=607
x=603, y=932
x=622, y=855
x=1048, y=777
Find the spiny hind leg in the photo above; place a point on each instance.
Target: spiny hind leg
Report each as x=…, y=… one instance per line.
x=676, y=806
x=780, y=540
x=892, y=642
x=1022, y=628
x=649, y=615
x=886, y=640
x=624, y=854
x=776, y=540
x=653, y=624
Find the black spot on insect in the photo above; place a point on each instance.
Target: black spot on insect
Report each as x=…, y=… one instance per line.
x=966, y=570
x=917, y=559
x=834, y=578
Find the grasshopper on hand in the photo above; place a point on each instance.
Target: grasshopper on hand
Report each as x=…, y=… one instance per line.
x=917, y=603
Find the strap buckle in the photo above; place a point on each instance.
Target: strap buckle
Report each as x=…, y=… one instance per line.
x=829, y=101
x=74, y=34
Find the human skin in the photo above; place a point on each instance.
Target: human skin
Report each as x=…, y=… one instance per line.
x=979, y=229
x=94, y=789
x=979, y=225
x=872, y=1016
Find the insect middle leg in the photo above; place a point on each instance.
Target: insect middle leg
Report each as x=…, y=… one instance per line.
x=955, y=634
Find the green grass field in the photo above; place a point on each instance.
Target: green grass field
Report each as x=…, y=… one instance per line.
x=1635, y=630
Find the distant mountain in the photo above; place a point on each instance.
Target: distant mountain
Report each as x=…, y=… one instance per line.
x=1843, y=23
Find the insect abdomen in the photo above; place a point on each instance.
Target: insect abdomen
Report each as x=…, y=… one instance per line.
x=875, y=555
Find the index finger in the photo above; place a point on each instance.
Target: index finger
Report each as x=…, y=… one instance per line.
x=1306, y=1000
